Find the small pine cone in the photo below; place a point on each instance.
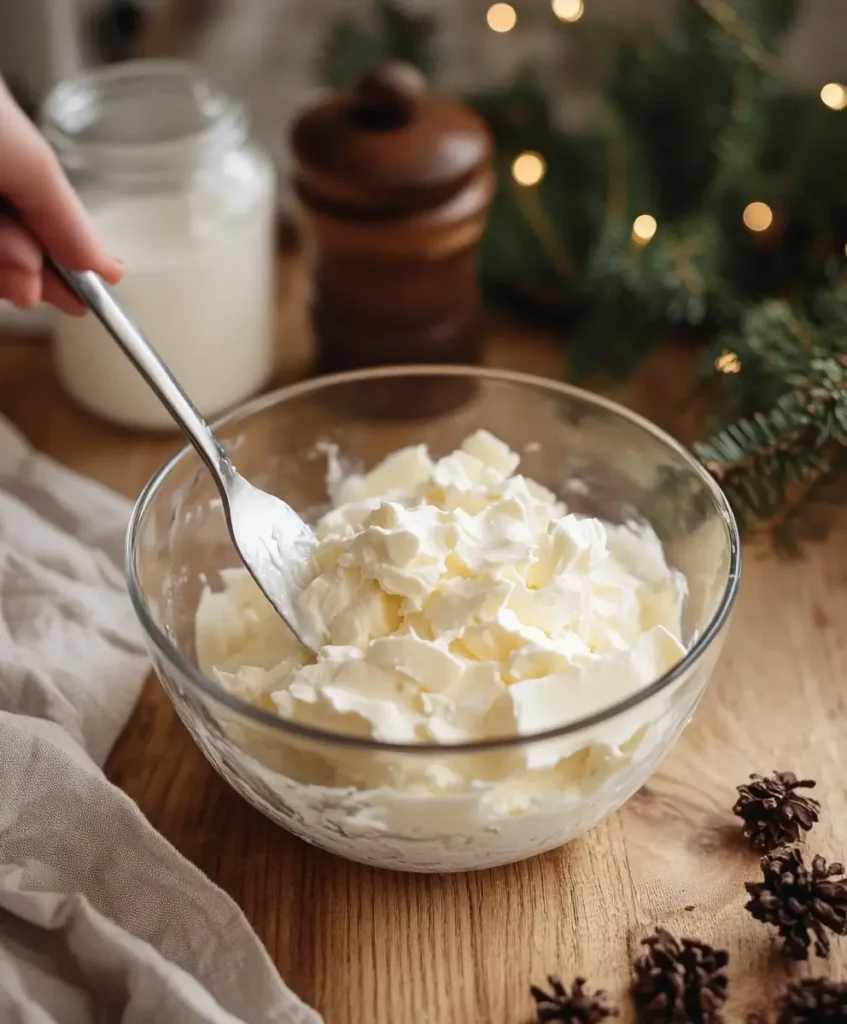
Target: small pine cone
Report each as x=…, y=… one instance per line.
x=774, y=814
x=679, y=982
x=814, y=1001
x=574, y=1007
x=799, y=902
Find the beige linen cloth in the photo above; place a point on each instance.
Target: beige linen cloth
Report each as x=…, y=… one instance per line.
x=101, y=920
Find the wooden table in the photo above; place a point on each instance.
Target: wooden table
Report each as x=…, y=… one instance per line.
x=370, y=947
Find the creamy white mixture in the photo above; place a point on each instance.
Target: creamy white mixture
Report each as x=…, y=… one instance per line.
x=460, y=601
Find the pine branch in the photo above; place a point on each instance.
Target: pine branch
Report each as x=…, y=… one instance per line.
x=612, y=340
x=347, y=53
x=351, y=49
x=743, y=34
x=777, y=342
x=408, y=34
x=769, y=462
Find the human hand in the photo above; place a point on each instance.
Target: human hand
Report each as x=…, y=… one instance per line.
x=53, y=219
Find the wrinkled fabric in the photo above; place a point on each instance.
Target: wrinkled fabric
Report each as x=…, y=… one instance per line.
x=101, y=919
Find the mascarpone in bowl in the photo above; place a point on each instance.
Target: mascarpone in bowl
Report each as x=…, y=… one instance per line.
x=523, y=598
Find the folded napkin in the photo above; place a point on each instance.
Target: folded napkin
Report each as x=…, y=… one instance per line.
x=100, y=918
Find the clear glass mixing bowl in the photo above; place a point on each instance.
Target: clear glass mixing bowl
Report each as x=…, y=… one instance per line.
x=371, y=801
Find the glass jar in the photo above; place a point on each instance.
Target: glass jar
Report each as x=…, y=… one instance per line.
x=163, y=161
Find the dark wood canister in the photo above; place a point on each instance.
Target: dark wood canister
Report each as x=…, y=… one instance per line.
x=394, y=185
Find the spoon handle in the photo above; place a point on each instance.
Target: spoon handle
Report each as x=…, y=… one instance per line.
x=93, y=293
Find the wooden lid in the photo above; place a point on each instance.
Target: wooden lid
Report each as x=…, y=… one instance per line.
x=387, y=147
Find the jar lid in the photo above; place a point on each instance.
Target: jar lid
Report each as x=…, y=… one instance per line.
x=388, y=146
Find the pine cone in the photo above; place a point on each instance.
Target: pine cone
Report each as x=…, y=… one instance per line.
x=576, y=1007
x=814, y=1001
x=798, y=901
x=773, y=813
x=680, y=982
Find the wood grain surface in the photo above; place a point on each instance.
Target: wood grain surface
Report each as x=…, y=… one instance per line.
x=370, y=947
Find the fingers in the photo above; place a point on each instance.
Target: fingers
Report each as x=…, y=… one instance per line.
x=26, y=288
x=18, y=248
x=20, y=266
x=31, y=178
x=23, y=280
x=54, y=292
x=54, y=214
x=20, y=287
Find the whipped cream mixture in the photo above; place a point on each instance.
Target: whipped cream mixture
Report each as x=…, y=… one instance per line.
x=460, y=601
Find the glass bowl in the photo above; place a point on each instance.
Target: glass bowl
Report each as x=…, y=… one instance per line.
x=381, y=803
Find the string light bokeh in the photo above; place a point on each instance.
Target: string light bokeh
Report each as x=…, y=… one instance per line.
x=568, y=10
x=757, y=216
x=501, y=17
x=728, y=362
x=529, y=168
x=834, y=96
x=644, y=227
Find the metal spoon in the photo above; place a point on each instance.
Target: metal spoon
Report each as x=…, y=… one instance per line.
x=274, y=543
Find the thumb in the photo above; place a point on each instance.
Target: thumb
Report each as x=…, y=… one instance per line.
x=31, y=178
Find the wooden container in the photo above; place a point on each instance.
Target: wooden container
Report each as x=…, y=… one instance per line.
x=394, y=185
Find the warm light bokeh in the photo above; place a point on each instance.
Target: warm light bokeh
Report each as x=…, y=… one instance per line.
x=568, y=10
x=644, y=227
x=834, y=95
x=501, y=17
x=757, y=216
x=529, y=168
x=728, y=362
